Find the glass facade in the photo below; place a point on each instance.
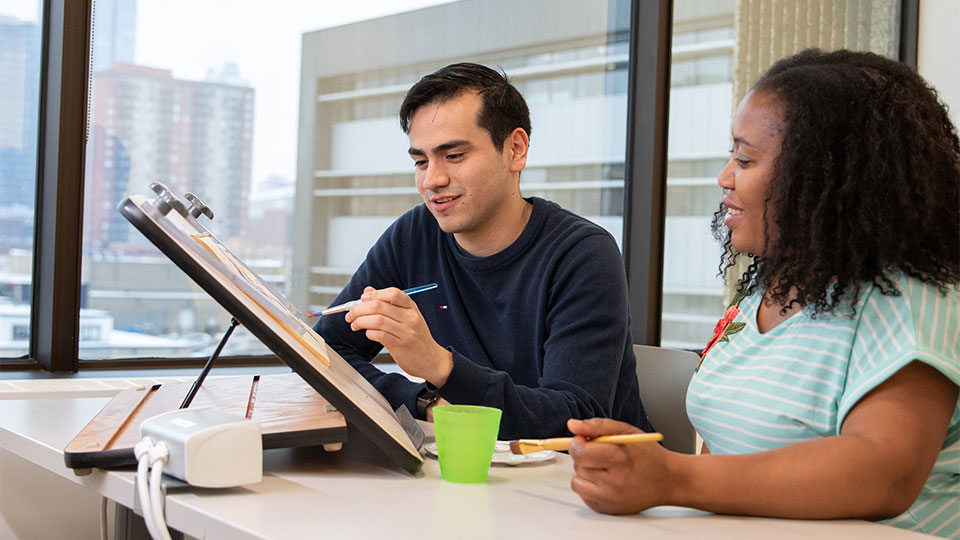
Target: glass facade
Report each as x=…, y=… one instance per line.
x=286, y=127
x=20, y=61
x=354, y=176
x=701, y=93
x=719, y=48
x=306, y=225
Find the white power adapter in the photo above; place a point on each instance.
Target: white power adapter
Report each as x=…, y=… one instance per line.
x=208, y=447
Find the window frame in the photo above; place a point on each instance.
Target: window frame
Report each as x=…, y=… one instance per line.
x=55, y=310
x=65, y=70
x=645, y=167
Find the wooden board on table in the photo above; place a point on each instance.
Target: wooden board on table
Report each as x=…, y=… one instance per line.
x=290, y=411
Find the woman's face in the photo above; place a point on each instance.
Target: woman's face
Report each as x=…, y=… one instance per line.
x=757, y=133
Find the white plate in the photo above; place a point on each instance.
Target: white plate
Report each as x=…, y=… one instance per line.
x=503, y=456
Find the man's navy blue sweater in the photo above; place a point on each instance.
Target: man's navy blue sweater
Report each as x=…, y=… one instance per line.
x=540, y=330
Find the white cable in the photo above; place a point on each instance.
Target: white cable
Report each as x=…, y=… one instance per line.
x=144, y=495
x=142, y=452
x=158, y=456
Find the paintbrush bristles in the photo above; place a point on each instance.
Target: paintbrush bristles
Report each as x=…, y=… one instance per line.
x=521, y=447
x=528, y=446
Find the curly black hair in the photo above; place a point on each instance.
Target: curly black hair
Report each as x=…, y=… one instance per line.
x=866, y=185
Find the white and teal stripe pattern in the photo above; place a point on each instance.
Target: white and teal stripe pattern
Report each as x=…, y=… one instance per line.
x=798, y=381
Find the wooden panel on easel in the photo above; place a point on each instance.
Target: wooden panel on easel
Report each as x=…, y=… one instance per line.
x=290, y=411
x=275, y=321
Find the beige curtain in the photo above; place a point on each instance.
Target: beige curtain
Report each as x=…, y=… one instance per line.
x=768, y=30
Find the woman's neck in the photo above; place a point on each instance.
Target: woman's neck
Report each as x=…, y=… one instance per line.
x=771, y=312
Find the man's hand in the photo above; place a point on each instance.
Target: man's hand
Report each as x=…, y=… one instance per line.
x=616, y=478
x=392, y=319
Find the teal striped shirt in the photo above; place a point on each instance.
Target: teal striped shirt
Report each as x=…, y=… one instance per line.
x=799, y=380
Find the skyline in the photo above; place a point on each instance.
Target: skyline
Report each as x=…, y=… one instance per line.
x=265, y=45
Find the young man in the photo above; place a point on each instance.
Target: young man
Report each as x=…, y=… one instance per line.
x=531, y=312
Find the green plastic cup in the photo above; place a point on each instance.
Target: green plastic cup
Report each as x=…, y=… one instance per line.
x=466, y=437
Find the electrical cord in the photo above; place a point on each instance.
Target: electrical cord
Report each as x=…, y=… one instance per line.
x=142, y=452
x=151, y=457
x=158, y=456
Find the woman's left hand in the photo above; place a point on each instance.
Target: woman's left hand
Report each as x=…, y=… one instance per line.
x=617, y=478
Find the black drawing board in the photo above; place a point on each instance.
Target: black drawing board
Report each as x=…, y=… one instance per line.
x=176, y=231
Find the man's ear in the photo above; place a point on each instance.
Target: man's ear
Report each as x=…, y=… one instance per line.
x=516, y=146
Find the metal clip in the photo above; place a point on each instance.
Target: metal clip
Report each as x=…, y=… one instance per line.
x=166, y=200
x=197, y=206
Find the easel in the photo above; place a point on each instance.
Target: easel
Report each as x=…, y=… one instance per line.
x=290, y=411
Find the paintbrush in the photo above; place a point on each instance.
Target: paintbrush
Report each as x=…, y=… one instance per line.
x=527, y=446
x=349, y=305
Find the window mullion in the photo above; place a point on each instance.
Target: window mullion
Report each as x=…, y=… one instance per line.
x=646, y=164
x=55, y=315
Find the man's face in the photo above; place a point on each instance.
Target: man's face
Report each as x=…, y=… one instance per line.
x=463, y=178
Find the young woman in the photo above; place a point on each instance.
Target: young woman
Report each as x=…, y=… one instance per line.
x=830, y=389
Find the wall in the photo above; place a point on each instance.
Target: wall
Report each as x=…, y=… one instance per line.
x=938, y=51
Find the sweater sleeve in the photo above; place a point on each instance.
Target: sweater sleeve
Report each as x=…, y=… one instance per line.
x=588, y=338
x=379, y=270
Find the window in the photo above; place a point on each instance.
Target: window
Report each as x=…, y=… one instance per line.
x=707, y=81
x=213, y=112
x=216, y=113
x=20, y=41
x=21, y=332
x=202, y=117
x=355, y=177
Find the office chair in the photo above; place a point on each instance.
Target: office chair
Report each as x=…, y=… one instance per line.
x=664, y=375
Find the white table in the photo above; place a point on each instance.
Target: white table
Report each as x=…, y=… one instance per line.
x=359, y=493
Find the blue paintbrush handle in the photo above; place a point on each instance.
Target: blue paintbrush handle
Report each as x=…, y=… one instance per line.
x=347, y=306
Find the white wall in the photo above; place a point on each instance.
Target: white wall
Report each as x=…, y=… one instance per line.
x=938, y=51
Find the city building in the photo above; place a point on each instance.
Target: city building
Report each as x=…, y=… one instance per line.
x=114, y=33
x=151, y=127
x=354, y=176
x=98, y=337
x=193, y=136
x=270, y=233
x=19, y=100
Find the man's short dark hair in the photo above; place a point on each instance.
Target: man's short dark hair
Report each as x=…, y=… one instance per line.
x=503, y=109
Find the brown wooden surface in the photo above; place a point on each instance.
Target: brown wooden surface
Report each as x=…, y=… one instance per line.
x=284, y=404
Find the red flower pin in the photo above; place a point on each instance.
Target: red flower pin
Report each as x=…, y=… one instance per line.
x=724, y=328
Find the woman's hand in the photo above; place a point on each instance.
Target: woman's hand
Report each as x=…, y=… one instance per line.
x=874, y=469
x=617, y=478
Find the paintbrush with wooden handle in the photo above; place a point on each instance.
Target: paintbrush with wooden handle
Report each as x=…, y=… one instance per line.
x=526, y=446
